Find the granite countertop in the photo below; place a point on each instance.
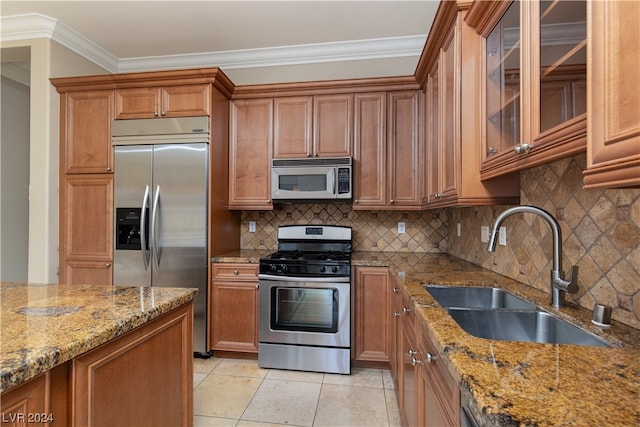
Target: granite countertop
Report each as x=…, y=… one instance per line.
x=44, y=326
x=517, y=383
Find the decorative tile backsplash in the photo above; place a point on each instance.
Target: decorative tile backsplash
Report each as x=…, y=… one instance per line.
x=372, y=231
x=600, y=230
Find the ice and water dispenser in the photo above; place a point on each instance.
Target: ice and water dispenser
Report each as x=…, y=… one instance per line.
x=128, y=229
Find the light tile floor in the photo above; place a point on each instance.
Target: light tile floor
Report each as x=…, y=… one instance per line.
x=234, y=392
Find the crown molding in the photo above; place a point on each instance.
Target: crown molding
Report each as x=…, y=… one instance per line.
x=35, y=25
x=284, y=55
x=30, y=26
x=16, y=73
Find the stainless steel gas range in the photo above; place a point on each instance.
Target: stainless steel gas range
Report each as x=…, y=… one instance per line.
x=305, y=300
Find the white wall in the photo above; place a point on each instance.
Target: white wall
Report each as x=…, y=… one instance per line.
x=48, y=60
x=14, y=180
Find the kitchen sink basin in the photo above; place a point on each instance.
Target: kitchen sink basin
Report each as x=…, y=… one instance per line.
x=476, y=297
x=522, y=325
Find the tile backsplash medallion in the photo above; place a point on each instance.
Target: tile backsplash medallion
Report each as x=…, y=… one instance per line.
x=600, y=231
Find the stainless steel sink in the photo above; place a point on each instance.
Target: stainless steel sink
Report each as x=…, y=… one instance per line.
x=476, y=297
x=523, y=325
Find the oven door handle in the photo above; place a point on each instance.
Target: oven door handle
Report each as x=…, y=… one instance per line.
x=331, y=279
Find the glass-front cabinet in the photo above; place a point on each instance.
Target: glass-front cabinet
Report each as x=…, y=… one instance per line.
x=534, y=82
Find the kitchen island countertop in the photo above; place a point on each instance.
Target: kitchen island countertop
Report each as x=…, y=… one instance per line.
x=43, y=326
x=516, y=383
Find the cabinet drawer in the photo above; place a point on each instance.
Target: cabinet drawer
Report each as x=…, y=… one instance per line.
x=247, y=272
x=442, y=384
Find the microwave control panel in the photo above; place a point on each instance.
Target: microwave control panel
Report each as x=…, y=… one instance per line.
x=344, y=181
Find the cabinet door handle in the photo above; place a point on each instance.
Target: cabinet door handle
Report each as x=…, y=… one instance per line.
x=107, y=265
x=395, y=290
x=108, y=168
x=235, y=272
x=405, y=310
x=523, y=148
x=396, y=314
x=430, y=358
x=412, y=352
x=391, y=201
x=415, y=361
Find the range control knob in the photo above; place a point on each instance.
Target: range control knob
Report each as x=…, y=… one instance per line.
x=273, y=267
x=284, y=268
x=323, y=269
x=334, y=269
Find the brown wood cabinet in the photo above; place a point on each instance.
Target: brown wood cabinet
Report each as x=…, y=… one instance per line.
x=86, y=229
x=168, y=101
x=427, y=393
x=28, y=404
x=234, y=308
x=453, y=120
x=372, y=319
x=313, y=126
x=146, y=374
x=86, y=118
x=404, y=149
x=525, y=82
x=613, y=141
x=369, y=150
x=250, y=142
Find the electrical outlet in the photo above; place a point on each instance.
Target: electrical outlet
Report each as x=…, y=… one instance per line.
x=401, y=228
x=502, y=236
x=252, y=226
x=484, y=233
x=458, y=229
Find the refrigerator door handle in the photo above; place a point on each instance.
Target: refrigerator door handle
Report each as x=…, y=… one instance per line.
x=143, y=230
x=154, y=234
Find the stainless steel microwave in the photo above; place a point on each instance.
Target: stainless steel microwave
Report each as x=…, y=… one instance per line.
x=311, y=179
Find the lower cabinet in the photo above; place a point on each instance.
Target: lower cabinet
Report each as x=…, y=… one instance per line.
x=234, y=308
x=427, y=394
x=372, y=341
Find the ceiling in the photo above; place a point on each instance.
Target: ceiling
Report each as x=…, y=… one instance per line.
x=125, y=36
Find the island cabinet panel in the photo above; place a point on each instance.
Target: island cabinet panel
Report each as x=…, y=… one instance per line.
x=613, y=123
x=167, y=101
x=86, y=118
x=250, y=145
x=144, y=378
x=28, y=404
x=86, y=227
x=372, y=319
x=234, y=308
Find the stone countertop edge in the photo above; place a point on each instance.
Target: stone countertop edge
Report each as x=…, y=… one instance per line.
x=46, y=325
x=515, y=383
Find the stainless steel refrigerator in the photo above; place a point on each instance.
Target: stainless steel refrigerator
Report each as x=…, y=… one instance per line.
x=160, y=200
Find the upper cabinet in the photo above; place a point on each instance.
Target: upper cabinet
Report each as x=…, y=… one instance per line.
x=534, y=81
x=313, y=126
x=86, y=118
x=168, y=101
x=250, y=138
x=613, y=144
x=450, y=72
x=387, y=149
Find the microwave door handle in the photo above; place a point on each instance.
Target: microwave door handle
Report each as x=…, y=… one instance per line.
x=332, y=172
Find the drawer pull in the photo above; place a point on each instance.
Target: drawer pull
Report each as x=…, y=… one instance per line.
x=405, y=310
x=235, y=272
x=430, y=358
x=415, y=361
x=395, y=290
x=411, y=352
x=396, y=314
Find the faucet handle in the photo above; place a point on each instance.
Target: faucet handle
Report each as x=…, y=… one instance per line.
x=572, y=280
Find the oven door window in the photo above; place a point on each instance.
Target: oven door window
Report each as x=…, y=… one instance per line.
x=303, y=183
x=304, y=309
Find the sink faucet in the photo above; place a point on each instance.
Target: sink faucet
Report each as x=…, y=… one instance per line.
x=558, y=284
